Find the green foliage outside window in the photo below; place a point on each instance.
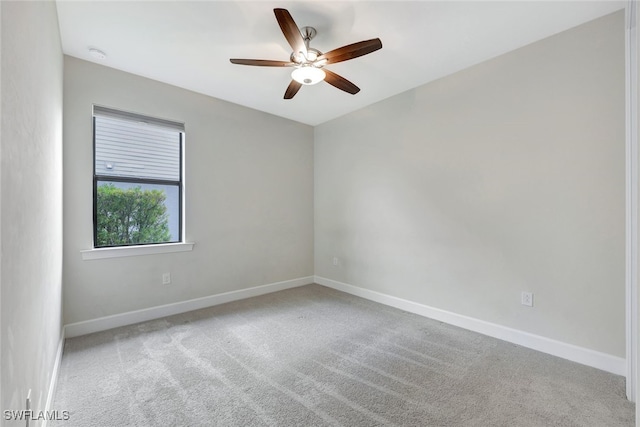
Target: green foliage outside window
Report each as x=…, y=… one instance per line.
x=131, y=216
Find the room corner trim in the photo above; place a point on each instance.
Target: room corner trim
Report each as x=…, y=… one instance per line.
x=131, y=317
x=631, y=202
x=595, y=359
x=54, y=376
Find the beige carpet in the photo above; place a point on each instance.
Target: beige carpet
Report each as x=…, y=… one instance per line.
x=313, y=356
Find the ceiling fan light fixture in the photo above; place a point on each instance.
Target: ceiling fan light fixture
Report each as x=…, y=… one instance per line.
x=308, y=75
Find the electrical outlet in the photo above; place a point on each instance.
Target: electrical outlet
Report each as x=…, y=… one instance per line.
x=166, y=278
x=527, y=299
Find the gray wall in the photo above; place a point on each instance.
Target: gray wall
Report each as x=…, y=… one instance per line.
x=249, y=197
x=30, y=200
x=507, y=176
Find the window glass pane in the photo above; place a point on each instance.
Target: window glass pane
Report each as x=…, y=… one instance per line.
x=125, y=148
x=134, y=213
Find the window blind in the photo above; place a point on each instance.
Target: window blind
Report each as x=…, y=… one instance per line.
x=133, y=146
x=99, y=110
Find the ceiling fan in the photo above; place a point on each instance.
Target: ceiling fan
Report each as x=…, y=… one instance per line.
x=309, y=62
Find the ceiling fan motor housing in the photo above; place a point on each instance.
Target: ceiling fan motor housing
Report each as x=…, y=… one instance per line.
x=312, y=55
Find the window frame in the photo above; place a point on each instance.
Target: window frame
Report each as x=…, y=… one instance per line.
x=152, y=121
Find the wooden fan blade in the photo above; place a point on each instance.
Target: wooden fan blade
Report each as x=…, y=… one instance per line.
x=262, y=62
x=351, y=51
x=292, y=89
x=340, y=82
x=290, y=30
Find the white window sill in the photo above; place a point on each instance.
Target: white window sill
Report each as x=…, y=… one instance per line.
x=126, y=251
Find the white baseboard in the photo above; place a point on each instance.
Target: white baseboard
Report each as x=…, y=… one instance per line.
x=131, y=317
x=585, y=356
x=54, y=377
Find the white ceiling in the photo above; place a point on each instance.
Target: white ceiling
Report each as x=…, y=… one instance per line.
x=188, y=44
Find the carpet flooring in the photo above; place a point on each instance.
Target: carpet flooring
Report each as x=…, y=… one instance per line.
x=314, y=356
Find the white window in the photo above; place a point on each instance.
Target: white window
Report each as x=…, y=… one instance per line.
x=137, y=179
